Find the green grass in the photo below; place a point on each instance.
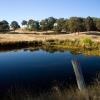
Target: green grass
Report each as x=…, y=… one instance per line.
x=85, y=46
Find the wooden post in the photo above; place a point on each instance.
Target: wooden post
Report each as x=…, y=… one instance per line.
x=79, y=75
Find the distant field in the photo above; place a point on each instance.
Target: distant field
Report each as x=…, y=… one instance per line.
x=24, y=36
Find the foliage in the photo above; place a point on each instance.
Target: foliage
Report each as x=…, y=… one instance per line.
x=44, y=25
x=76, y=24
x=51, y=22
x=59, y=25
x=98, y=25
x=14, y=25
x=33, y=25
x=90, y=25
x=4, y=26
x=24, y=22
x=71, y=25
x=87, y=42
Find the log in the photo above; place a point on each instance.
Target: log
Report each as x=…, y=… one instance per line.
x=79, y=75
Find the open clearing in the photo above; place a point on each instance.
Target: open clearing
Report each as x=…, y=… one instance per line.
x=15, y=37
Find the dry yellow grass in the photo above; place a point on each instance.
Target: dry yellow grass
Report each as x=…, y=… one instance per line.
x=14, y=37
x=92, y=93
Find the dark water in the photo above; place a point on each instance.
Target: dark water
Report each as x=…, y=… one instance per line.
x=42, y=70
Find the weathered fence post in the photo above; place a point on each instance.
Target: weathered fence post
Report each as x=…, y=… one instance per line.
x=79, y=75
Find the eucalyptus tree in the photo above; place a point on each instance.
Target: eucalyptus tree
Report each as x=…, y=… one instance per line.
x=76, y=24
x=90, y=25
x=51, y=21
x=80, y=24
x=66, y=26
x=14, y=25
x=30, y=24
x=59, y=24
x=44, y=25
x=24, y=22
x=4, y=26
x=97, y=23
x=33, y=25
x=36, y=25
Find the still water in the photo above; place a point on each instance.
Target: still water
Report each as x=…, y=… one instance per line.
x=41, y=69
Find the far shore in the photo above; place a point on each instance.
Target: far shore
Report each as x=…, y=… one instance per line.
x=42, y=36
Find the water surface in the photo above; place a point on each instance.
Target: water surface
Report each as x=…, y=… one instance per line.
x=41, y=69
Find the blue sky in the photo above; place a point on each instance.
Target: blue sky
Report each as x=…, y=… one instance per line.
x=39, y=9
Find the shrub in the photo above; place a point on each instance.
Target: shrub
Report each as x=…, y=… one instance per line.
x=87, y=42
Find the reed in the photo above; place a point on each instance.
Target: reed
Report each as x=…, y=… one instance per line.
x=56, y=94
x=20, y=44
x=85, y=46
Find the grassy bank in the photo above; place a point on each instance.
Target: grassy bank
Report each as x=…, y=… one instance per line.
x=20, y=44
x=85, y=46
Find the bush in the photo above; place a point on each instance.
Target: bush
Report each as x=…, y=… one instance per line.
x=87, y=42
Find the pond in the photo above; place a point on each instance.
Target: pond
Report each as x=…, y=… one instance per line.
x=40, y=70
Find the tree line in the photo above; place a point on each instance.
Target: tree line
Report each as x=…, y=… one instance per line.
x=73, y=24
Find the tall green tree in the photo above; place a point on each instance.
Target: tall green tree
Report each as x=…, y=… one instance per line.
x=44, y=25
x=36, y=25
x=30, y=24
x=14, y=25
x=59, y=25
x=97, y=23
x=76, y=24
x=90, y=25
x=80, y=24
x=66, y=26
x=4, y=26
x=72, y=24
x=51, y=21
x=24, y=22
x=33, y=25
